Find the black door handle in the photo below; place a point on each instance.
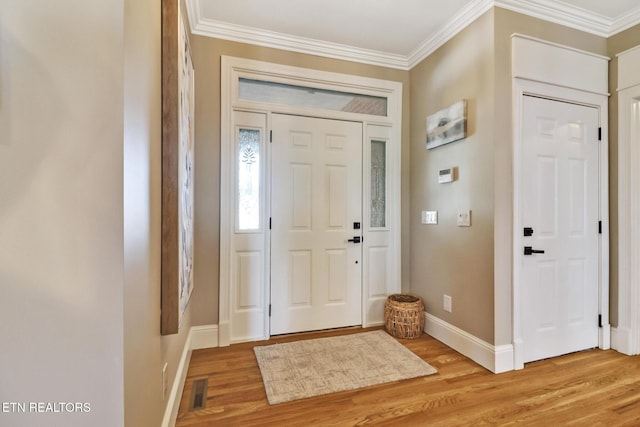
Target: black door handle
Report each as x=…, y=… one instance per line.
x=356, y=239
x=528, y=250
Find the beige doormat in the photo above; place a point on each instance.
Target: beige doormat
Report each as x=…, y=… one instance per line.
x=301, y=369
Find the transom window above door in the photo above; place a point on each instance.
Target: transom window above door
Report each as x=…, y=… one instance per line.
x=305, y=96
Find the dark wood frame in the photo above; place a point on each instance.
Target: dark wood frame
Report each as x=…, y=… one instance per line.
x=171, y=250
x=170, y=135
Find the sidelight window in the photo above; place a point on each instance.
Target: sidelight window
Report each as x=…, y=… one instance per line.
x=378, y=183
x=248, y=165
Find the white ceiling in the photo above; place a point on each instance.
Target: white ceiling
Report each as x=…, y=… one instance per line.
x=393, y=33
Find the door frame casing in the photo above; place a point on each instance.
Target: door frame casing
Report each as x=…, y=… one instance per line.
x=532, y=76
x=234, y=68
x=625, y=337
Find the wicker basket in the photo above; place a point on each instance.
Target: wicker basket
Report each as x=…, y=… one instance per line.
x=404, y=316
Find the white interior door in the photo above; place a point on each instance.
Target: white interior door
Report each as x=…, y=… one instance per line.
x=316, y=198
x=559, y=203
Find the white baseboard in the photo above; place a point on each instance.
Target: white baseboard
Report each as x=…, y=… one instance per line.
x=173, y=402
x=204, y=337
x=604, y=337
x=199, y=337
x=621, y=340
x=497, y=359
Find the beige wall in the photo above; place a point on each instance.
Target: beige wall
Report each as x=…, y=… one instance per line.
x=206, y=58
x=472, y=265
x=145, y=350
x=616, y=44
x=445, y=258
x=61, y=204
x=79, y=212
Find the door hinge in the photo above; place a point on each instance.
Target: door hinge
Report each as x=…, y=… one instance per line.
x=270, y=136
x=269, y=223
x=599, y=134
x=269, y=310
x=599, y=320
x=599, y=227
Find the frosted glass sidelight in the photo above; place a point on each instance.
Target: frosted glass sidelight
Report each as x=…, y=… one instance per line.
x=301, y=96
x=248, y=179
x=378, y=183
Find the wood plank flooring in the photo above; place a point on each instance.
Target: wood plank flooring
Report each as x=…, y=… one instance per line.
x=589, y=388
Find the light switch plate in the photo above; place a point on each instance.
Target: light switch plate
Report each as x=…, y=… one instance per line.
x=464, y=218
x=429, y=217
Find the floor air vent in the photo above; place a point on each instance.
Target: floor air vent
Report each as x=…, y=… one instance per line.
x=198, y=394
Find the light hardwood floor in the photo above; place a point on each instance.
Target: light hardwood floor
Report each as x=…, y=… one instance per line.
x=589, y=388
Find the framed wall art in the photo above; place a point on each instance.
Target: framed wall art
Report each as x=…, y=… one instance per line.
x=447, y=125
x=177, y=168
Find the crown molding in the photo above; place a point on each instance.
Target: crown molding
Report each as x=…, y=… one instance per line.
x=548, y=10
x=459, y=22
x=271, y=39
x=560, y=13
x=624, y=22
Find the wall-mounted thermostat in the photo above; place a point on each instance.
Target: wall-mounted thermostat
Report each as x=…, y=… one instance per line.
x=446, y=175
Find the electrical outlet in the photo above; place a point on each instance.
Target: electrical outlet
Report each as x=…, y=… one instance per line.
x=165, y=381
x=446, y=302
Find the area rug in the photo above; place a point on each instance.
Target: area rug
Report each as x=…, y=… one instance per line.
x=302, y=369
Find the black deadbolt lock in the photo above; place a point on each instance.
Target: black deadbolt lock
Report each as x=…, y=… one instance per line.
x=356, y=226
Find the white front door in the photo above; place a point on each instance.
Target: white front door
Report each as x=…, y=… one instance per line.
x=559, y=236
x=316, y=204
